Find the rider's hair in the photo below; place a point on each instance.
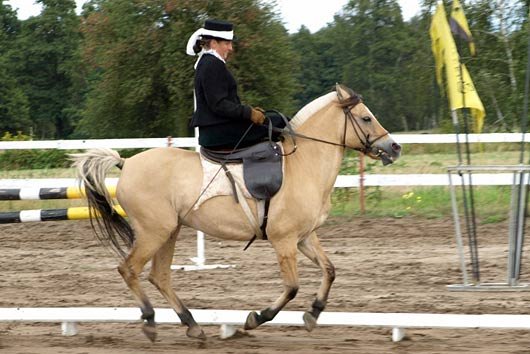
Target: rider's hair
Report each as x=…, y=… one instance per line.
x=204, y=42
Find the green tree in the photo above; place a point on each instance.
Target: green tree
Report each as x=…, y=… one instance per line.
x=373, y=48
x=141, y=78
x=318, y=69
x=47, y=62
x=14, y=109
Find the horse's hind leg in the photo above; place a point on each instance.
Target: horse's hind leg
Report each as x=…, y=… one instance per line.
x=312, y=249
x=145, y=246
x=286, y=253
x=160, y=277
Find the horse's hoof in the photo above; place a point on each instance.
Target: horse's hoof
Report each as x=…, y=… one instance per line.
x=252, y=321
x=150, y=332
x=196, y=332
x=310, y=321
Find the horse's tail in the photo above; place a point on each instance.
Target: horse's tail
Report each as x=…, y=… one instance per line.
x=112, y=229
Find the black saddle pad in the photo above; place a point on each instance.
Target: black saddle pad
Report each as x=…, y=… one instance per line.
x=262, y=167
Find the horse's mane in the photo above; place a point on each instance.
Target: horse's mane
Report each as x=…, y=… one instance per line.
x=314, y=106
x=311, y=108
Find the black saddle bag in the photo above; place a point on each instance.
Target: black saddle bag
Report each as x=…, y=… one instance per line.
x=262, y=167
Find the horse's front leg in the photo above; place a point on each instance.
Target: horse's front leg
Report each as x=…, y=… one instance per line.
x=312, y=249
x=286, y=253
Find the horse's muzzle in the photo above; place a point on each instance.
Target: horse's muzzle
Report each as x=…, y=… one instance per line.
x=388, y=155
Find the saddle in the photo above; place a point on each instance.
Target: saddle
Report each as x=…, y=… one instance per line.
x=262, y=166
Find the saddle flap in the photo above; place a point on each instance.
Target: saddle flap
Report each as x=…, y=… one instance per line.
x=262, y=170
x=262, y=166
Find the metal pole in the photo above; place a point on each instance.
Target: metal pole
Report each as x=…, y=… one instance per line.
x=201, y=257
x=512, y=234
x=361, y=183
x=470, y=216
x=458, y=232
x=520, y=224
x=522, y=186
x=472, y=240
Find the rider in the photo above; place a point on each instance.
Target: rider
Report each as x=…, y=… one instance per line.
x=221, y=117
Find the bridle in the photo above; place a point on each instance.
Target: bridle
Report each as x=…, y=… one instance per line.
x=347, y=106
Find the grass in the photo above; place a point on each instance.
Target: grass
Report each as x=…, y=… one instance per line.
x=428, y=162
x=491, y=202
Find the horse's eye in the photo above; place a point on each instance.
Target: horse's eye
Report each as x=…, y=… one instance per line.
x=366, y=118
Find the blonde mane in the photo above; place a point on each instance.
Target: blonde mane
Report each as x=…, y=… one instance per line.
x=311, y=108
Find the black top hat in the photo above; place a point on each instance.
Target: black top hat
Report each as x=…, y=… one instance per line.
x=215, y=29
x=218, y=25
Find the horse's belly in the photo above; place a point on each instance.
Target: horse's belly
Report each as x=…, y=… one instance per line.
x=222, y=217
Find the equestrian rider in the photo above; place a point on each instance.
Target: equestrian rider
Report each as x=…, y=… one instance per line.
x=221, y=117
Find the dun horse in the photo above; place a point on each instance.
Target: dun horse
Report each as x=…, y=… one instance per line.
x=158, y=188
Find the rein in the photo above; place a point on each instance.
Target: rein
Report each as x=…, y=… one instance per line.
x=364, y=138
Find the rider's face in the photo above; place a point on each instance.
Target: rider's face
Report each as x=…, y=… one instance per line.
x=223, y=48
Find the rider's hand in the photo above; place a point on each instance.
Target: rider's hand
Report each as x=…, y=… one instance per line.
x=257, y=116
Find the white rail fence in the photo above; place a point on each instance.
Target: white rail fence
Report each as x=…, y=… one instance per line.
x=192, y=142
x=228, y=319
x=342, y=180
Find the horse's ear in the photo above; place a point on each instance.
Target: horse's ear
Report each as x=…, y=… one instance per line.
x=342, y=91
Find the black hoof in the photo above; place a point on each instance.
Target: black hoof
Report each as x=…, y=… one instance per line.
x=252, y=321
x=150, y=332
x=310, y=321
x=196, y=332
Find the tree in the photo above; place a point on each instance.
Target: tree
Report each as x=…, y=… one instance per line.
x=142, y=79
x=47, y=62
x=371, y=49
x=14, y=107
x=318, y=68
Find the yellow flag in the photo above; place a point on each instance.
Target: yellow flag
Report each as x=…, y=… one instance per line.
x=437, y=32
x=460, y=89
x=460, y=27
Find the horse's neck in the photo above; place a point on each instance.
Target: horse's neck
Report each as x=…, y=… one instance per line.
x=320, y=160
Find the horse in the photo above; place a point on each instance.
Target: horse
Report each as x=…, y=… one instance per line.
x=157, y=189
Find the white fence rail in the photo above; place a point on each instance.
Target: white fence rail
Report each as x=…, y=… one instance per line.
x=343, y=181
x=192, y=142
x=228, y=319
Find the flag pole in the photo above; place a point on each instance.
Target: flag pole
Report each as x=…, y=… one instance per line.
x=522, y=188
x=469, y=212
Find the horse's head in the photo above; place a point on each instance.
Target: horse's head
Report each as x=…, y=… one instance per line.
x=363, y=131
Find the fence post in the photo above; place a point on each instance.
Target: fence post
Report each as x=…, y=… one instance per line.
x=361, y=182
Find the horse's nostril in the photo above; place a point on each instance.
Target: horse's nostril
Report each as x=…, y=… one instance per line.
x=396, y=147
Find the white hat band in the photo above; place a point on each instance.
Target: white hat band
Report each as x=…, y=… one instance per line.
x=228, y=35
